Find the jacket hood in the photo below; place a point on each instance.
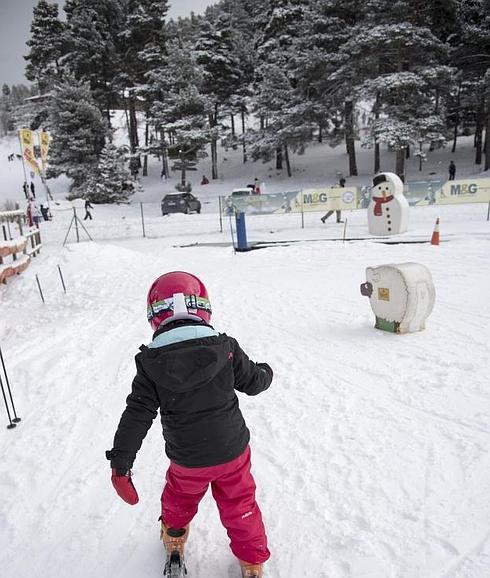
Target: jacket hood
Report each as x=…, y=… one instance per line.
x=187, y=365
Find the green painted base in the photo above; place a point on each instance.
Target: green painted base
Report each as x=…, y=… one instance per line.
x=384, y=325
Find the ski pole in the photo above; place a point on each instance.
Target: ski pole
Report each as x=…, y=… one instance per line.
x=16, y=419
x=11, y=425
x=62, y=280
x=39, y=287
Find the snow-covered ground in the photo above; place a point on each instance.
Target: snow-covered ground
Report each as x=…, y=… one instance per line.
x=370, y=450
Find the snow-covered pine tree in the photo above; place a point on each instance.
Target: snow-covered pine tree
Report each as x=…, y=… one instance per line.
x=16, y=111
x=243, y=23
x=221, y=74
x=328, y=24
x=181, y=112
x=93, y=52
x=47, y=46
x=6, y=121
x=183, y=30
x=393, y=61
x=471, y=55
x=142, y=43
x=279, y=126
x=78, y=130
x=112, y=181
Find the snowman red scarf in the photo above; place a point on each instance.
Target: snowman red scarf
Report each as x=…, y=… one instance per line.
x=378, y=209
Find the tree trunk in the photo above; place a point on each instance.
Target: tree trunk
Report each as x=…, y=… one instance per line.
x=286, y=158
x=213, y=122
x=455, y=136
x=279, y=158
x=480, y=117
x=407, y=152
x=349, y=136
x=183, y=172
x=133, y=137
x=165, y=170
x=377, y=159
x=214, y=159
x=400, y=164
x=244, y=146
x=457, y=119
x=145, y=158
x=377, y=152
x=320, y=132
x=232, y=125
x=487, y=136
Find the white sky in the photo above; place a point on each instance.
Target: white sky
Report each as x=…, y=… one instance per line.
x=15, y=21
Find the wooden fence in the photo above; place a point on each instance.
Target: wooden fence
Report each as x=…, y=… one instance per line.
x=20, y=243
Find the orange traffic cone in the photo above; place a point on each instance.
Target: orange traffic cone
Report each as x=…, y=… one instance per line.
x=435, y=235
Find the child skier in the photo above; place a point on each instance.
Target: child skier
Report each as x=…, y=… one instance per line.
x=191, y=372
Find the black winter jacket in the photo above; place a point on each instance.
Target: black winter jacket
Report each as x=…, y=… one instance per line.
x=193, y=383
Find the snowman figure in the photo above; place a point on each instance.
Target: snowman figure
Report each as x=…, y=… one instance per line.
x=388, y=209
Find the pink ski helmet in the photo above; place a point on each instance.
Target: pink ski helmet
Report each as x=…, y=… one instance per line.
x=177, y=295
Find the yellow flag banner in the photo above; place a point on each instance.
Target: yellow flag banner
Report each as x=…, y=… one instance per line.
x=44, y=145
x=27, y=145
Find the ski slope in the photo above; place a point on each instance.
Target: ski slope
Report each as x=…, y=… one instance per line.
x=370, y=450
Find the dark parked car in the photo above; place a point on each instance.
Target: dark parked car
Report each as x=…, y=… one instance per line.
x=180, y=203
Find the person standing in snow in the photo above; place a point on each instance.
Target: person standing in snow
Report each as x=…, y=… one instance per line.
x=339, y=213
x=88, y=214
x=452, y=171
x=45, y=213
x=191, y=373
x=30, y=220
x=36, y=215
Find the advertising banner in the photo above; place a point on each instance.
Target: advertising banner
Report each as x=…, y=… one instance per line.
x=330, y=199
x=266, y=204
x=417, y=193
x=460, y=191
x=27, y=146
x=44, y=146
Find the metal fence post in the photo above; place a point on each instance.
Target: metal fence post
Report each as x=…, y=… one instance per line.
x=142, y=219
x=302, y=212
x=220, y=215
x=76, y=224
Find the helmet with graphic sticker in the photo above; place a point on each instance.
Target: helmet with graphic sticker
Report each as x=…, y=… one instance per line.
x=177, y=295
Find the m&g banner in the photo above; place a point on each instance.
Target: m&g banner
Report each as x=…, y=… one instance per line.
x=420, y=193
x=333, y=198
x=460, y=191
x=294, y=201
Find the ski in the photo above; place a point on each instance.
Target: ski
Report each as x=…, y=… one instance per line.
x=174, y=566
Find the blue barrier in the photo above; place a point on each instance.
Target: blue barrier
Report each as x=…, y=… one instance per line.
x=241, y=232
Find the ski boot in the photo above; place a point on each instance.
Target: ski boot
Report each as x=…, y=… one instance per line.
x=174, y=541
x=251, y=570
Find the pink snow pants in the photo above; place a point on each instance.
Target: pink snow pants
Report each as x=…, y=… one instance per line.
x=233, y=488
